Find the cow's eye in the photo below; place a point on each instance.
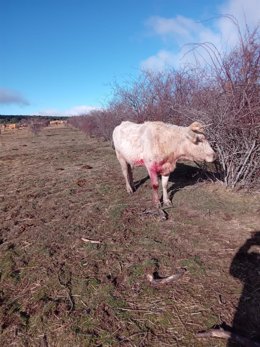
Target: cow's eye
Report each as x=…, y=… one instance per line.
x=197, y=140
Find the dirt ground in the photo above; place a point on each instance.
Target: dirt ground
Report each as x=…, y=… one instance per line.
x=58, y=290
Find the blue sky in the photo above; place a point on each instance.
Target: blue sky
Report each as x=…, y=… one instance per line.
x=62, y=56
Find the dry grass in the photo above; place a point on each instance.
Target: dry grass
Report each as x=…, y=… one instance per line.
x=56, y=290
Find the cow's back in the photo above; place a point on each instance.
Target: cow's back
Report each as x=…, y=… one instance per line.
x=128, y=140
x=148, y=141
x=160, y=140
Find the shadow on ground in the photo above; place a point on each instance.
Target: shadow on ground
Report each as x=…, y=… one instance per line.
x=183, y=176
x=186, y=175
x=246, y=267
x=140, y=182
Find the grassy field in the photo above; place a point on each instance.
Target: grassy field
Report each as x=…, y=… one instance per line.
x=57, y=290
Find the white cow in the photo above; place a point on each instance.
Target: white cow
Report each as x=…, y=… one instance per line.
x=158, y=146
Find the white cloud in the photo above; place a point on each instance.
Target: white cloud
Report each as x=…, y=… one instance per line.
x=8, y=97
x=74, y=111
x=79, y=110
x=177, y=28
x=179, y=32
x=48, y=112
x=244, y=12
x=160, y=61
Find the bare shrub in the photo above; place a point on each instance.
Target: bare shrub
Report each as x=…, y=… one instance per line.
x=35, y=124
x=147, y=98
x=232, y=106
x=224, y=94
x=96, y=123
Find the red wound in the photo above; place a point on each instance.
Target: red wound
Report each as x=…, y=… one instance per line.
x=157, y=167
x=139, y=162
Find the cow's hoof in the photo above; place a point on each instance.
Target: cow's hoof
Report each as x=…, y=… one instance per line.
x=129, y=190
x=167, y=203
x=157, y=204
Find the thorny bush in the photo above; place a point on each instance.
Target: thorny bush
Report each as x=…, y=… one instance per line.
x=225, y=95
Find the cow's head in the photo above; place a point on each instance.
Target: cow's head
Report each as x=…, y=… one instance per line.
x=198, y=147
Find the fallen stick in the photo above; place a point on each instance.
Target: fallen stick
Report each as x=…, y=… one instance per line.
x=165, y=280
x=90, y=241
x=224, y=334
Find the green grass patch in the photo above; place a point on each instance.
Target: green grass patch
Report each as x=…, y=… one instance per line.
x=194, y=265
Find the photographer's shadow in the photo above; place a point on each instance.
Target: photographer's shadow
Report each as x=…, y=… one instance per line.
x=246, y=267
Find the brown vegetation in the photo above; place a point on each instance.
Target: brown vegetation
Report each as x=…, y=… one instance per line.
x=36, y=125
x=225, y=95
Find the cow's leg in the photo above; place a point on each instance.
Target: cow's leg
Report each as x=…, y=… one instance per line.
x=126, y=172
x=155, y=185
x=130, y=176
x=166, y=200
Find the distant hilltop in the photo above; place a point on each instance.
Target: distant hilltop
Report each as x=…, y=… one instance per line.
x=17, y=118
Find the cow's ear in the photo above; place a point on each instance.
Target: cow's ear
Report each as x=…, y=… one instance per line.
x=192, y=136
x=197, y=127
x=195, y=137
